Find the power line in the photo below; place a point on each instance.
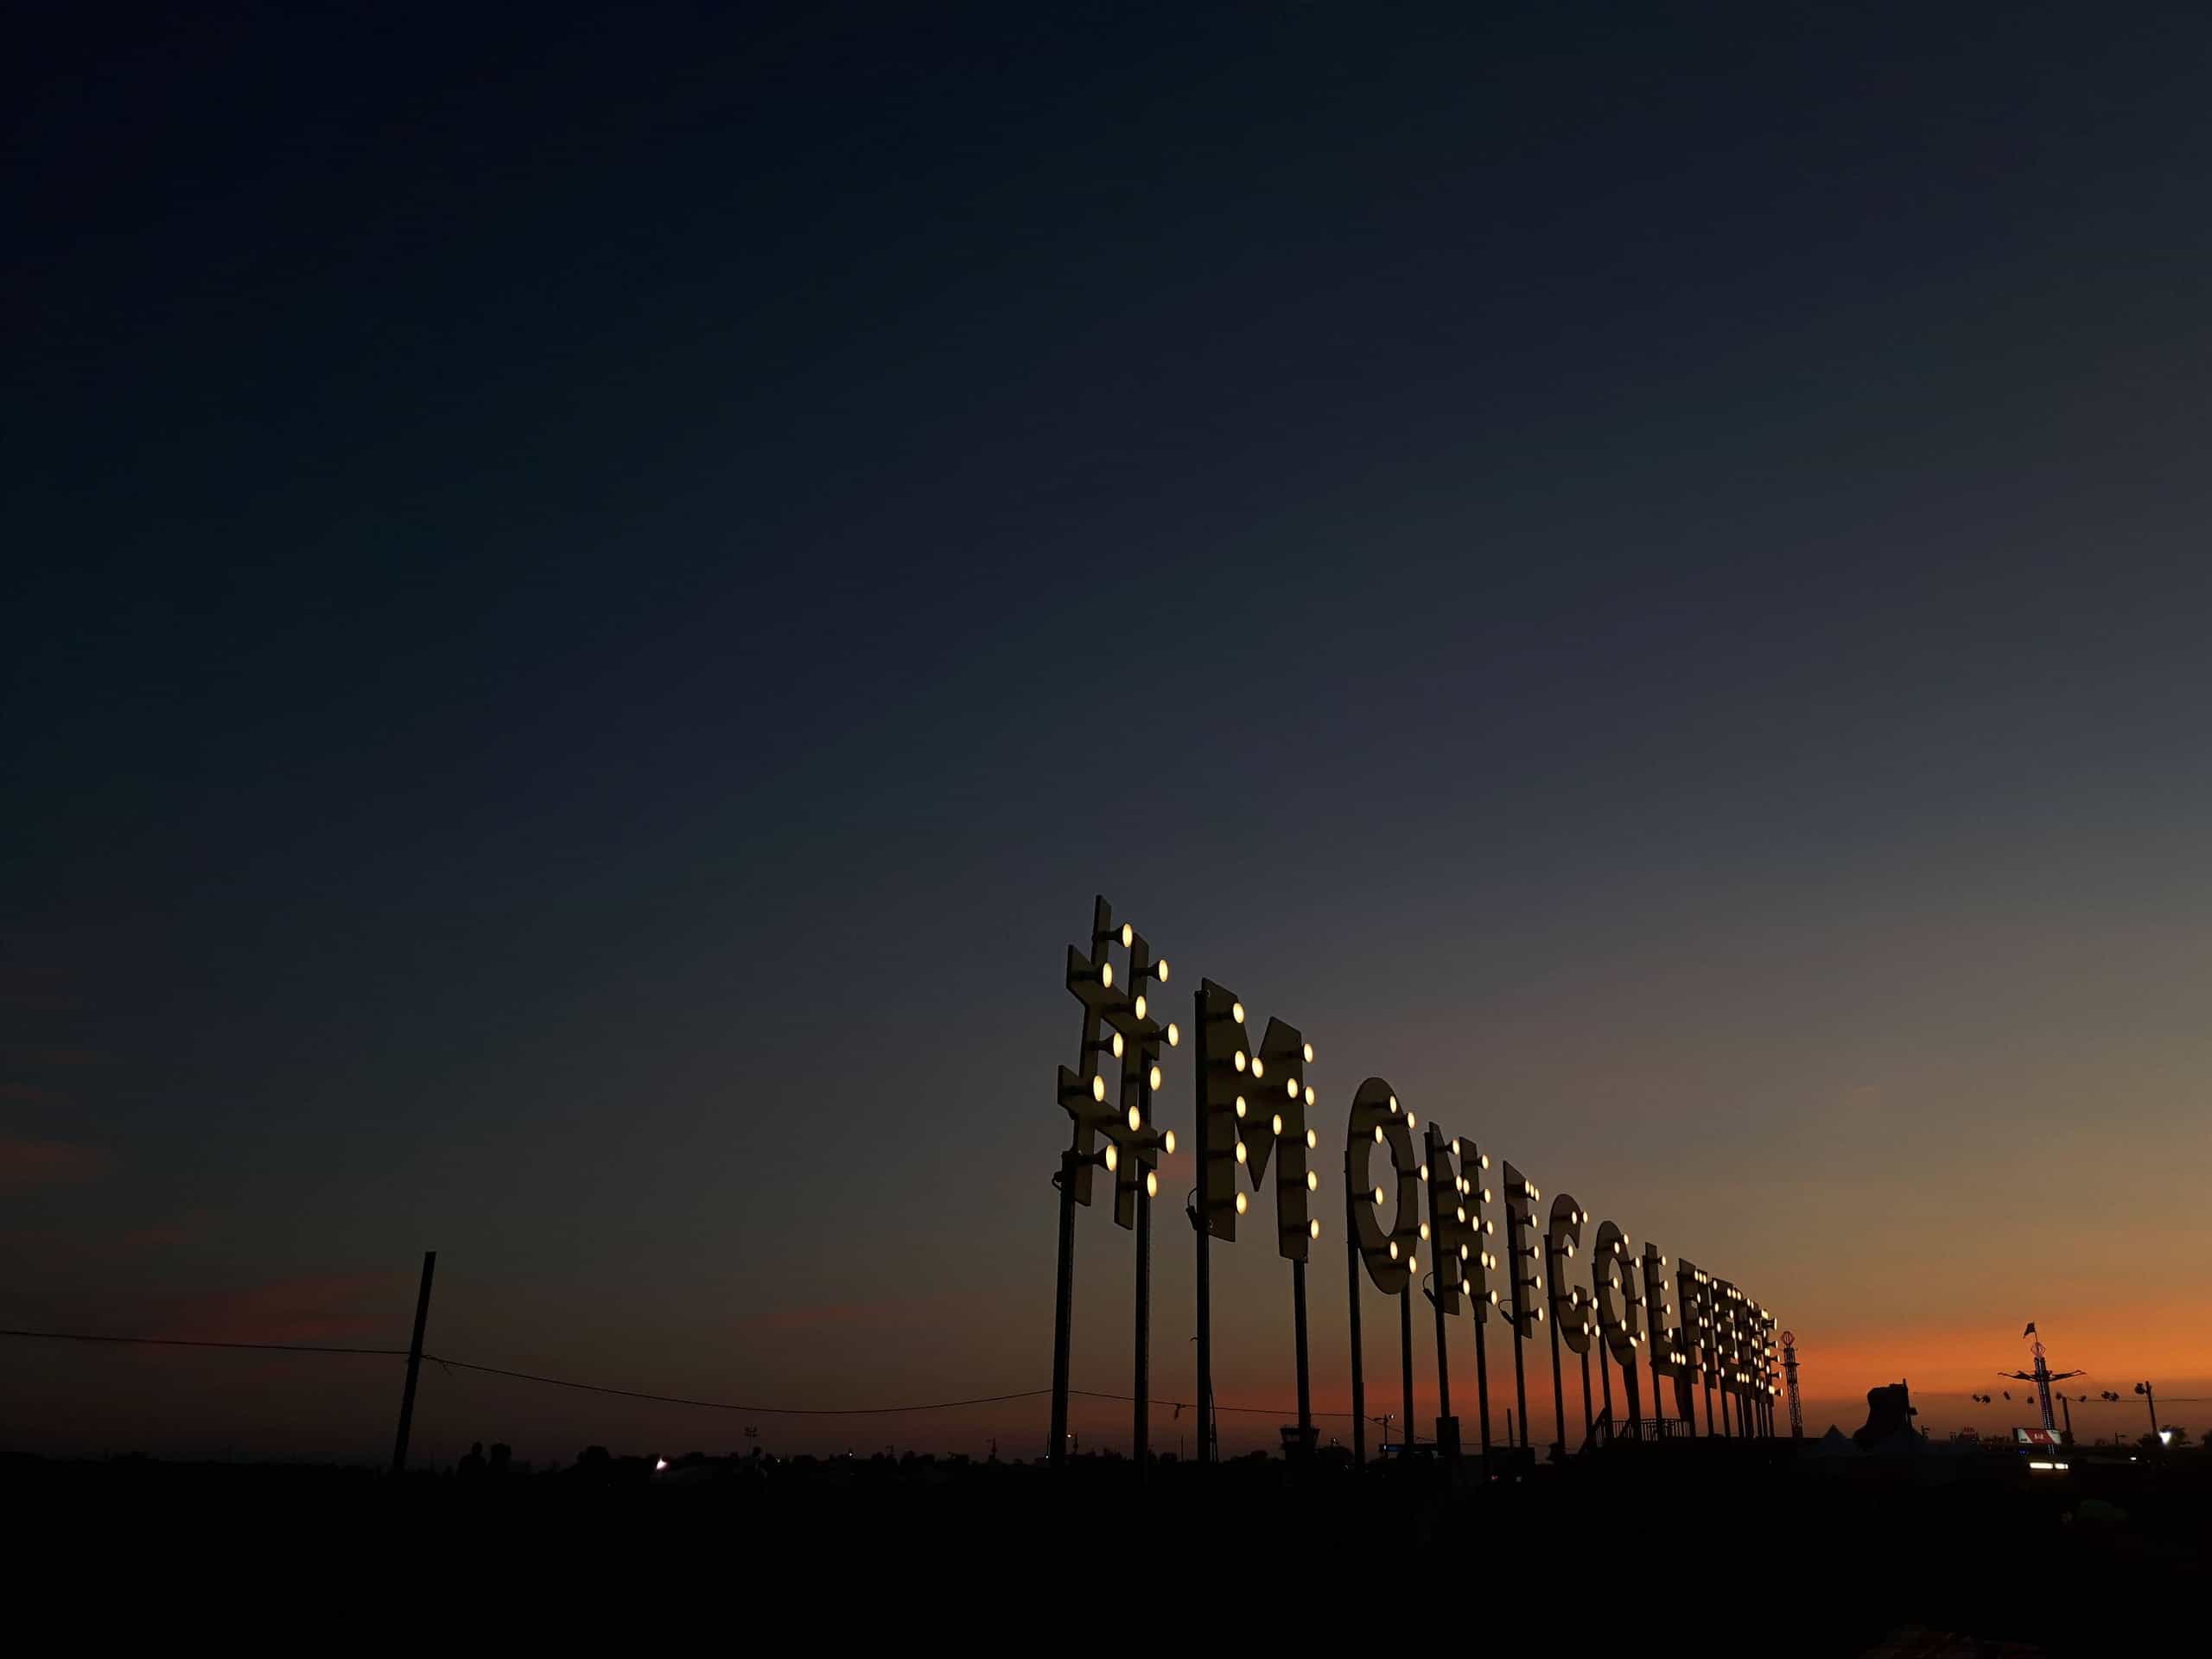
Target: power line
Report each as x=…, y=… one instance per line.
x=1184, y=1405
x=637, y=1393
x=187, y=1342
x=724, y=1405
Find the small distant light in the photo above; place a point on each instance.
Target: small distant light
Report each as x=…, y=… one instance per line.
x=1236, y=1012
x=1170, y=1143
x=1275, y=1126
x=1140, y=1005
x=1136, y=1120
x=1424, y=1172
x=1162, y=965
x=1259, y=1067
x=1117, y=1044
x=1309, y=1094
x=1393, y=1105
x=1153, y=1077
x=1151, y=1184
x=1308, y=1052
x=1312, y=1181
x=1241, y=1061
x=1240, y=1105
x=1240, y=1152
x=1241, y=1205
x=1098, y=1088
x=1313, y=1229
x=1113, y=1160
x=659, y=1464
x=1378, y=1195
x=1424, y=1232
x=1106, y=975
x=1311, y=1139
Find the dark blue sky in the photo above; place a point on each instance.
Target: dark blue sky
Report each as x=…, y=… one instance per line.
x=592, y=594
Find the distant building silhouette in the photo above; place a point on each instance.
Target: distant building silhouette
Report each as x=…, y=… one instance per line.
x=1889, y=1412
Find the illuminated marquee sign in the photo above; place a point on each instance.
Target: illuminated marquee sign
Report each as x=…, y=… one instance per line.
x=1583, y=1285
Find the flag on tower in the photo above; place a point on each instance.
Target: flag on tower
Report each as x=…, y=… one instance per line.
x=2030, y=1331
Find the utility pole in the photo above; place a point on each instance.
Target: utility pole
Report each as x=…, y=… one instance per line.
x=414, y=1365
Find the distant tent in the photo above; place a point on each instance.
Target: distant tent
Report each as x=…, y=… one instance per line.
x=1903, y=1443
x=1835, y=1444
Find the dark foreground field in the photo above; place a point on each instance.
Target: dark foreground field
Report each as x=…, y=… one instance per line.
x=1700, y=1548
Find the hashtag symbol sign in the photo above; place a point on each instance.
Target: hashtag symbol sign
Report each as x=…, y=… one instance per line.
x=1118, y=1023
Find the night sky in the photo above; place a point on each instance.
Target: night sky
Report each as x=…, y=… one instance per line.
x=592, y=594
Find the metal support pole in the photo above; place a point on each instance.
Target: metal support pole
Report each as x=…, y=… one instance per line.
x=414, y=1365
x=1407, y=1435
x=1305, y=1381
x=1629, y=1396
x=1558, y=1389
x=1358, y=1358
x=1443, y=1361
x=1203, y=1224
x=1482, y=1391
x=1143, y=1427
x=1589, y=1423
x=1520, y=1381
x=1606, y=1381
x=1063, y=1312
